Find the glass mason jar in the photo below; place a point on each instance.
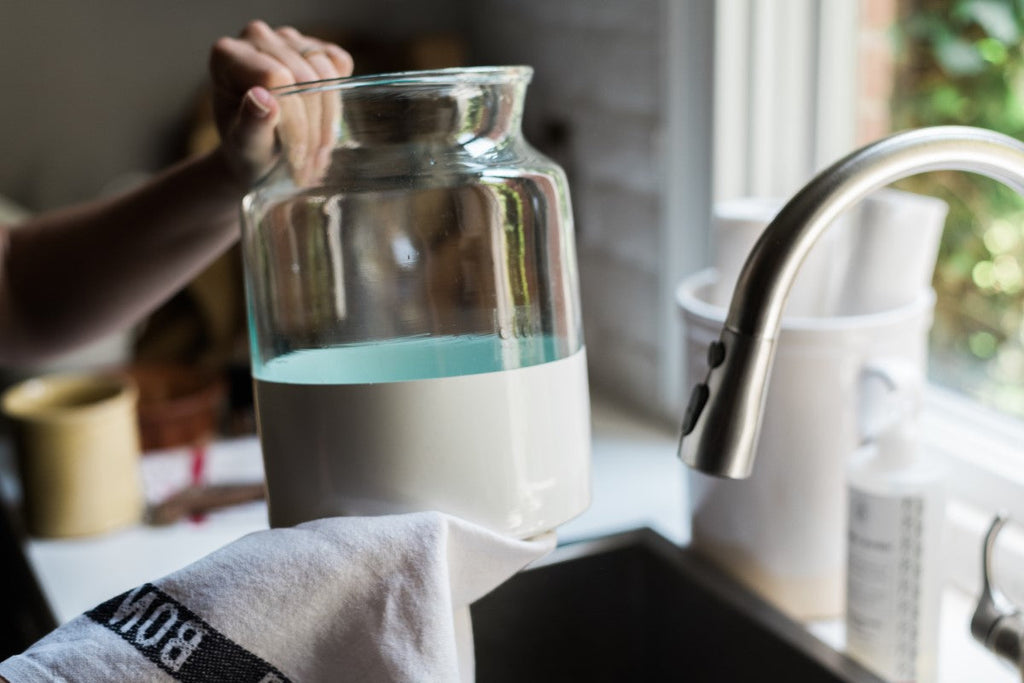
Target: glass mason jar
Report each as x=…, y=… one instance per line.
x=413, y=306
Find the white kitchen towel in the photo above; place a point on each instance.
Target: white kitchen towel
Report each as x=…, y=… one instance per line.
x=342, y=599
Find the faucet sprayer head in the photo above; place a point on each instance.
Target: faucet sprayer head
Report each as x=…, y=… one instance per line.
x=719, y=435
x=723, y=419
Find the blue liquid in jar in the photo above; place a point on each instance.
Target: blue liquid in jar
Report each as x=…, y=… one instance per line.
x=414, y=358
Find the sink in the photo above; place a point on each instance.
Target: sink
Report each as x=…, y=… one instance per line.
x=636, y=607
x=629, y=607
x=27, y=614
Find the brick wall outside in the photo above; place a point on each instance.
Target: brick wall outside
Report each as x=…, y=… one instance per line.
x=876, y=69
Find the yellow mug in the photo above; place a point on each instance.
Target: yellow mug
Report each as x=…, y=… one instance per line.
x=77, y=444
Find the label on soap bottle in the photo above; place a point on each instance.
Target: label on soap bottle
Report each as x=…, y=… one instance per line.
x=884, y=583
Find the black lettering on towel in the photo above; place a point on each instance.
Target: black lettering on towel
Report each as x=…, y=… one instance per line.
x=179, y=641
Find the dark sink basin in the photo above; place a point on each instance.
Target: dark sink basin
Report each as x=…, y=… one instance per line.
x=635, y=607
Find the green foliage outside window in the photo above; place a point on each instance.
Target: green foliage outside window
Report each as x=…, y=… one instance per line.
x=962, y=63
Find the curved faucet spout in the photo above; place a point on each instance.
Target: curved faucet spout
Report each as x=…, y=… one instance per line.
x=722, y=421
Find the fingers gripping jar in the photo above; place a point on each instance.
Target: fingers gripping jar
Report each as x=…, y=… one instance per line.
x=413, y=306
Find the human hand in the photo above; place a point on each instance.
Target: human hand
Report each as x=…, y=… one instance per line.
x=249, y=118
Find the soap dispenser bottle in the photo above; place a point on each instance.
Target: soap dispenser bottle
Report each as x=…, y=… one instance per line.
x=896, y=515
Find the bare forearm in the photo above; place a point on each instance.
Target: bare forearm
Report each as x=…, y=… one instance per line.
x=71, y=276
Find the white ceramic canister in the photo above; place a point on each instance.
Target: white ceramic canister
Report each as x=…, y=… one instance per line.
x=782, y=531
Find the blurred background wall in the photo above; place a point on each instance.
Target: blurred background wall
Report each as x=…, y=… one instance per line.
x=93, y=92
x=97, y=95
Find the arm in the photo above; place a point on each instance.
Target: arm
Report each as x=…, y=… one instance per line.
x=70, y=276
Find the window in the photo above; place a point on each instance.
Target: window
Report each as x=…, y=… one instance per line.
x=963, y=63
x=856, y=71
x=784, y=109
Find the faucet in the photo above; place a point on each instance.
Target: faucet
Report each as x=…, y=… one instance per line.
x=723, y=418
x=722, y=421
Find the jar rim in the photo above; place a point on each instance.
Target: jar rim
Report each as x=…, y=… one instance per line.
x=472, y=75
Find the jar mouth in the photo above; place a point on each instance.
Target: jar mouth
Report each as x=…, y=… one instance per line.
x=474, y=75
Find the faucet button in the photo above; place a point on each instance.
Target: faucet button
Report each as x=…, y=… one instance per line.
x=716, y=353
x=698, y=397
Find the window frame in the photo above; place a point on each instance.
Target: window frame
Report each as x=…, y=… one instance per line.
x=979, y=446
x=775, y=59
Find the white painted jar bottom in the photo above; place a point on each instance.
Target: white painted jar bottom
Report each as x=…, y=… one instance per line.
x=509, y=450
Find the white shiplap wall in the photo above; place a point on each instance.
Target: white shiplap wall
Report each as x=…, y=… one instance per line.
x=609, y=74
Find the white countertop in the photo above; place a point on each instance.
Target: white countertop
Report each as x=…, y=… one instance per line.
x=637, y=482
x=960, y=658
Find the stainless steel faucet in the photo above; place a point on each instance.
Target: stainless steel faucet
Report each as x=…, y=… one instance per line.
x=723, y=419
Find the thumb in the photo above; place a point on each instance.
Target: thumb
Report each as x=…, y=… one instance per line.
x=251, y=142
